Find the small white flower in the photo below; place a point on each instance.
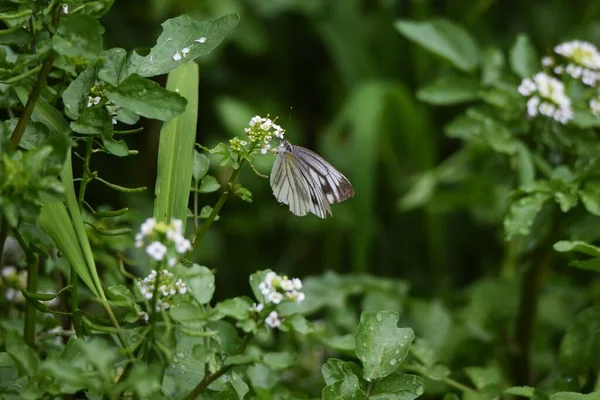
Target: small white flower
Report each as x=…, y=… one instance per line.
x=177, y=225
x=148, y=226
x=296, y=296
x=272, y=320
x=256, y=307
x=182, y=245
x=243, y=143
x=201, y=40
x=268, y=139
x=274, y=297
x=574, y=70
x=185, y=51
x=559, y=69
x=527, y=87
x=595, y=106
x=254, y=121
x=92, y=101
x=8, y=271
x=532, y=106
x=177, y=56
x=583, y=53
x=114, y=121
x=65, y=8
x=157, y=250
x=287, y=285
x=143, y=316
x=547, y=109
x=279, y=133
x=266, y=125
x=547, y=61
x=265, y=148
x=270, y=277
x=172, y=262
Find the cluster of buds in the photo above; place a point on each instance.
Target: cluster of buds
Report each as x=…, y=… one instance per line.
x=262, y=130
x=168, y=240
x=582, y=61
x=166, y=287
x=237, y=144
x=546, y=97
x=277, y=288
x=184, y=52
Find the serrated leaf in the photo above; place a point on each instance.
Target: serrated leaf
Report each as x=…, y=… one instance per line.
x=449, y=91
x=200, y=282
x=179, y=33
x=524, y=60
x=444, y=38
x=78, y=36
x=146, y=98
x=380, y=344
x=522, y=213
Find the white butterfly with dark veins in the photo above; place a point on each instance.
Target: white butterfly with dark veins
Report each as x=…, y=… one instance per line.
x=306, y=182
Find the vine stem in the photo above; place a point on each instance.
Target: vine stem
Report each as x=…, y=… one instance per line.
x=208, y=379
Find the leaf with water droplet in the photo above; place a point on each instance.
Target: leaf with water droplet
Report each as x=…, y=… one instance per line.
x=334, y=370
x=398, y=387
x=347, y=388
x=383, y=338
x=522, y=213
x=200, y=282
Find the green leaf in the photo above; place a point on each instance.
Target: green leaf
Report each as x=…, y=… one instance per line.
x=420, y=192
x=398, y=387
x=585, y=119
x=205, y=213
x=75, y=97
x=380, y=344
x=335, y=370
x=463, y=127
x=242, y=192
x=78, y=36
x=449, y=91
x=522, y=213
x=521, y=391
x=525, y=167
x=179, y=33
x=444, y=38
x=566, y=246
x=209, y=184
x=236, y=307
x=200, y=282
x=492, y=66
x=200, y=166
x=575, y=396
x=176, y=149
x=121, y=293
x=347, y=388
x=524, y=60
x=113, y=68
x=590, y=265
x=146, y=98
x=94, y=121
x=280, y=360
x=499, y=137
x=341, y=343
x=580, y=346
x=262, y=377
x=296, y=323
x=484, y=377
x=24, y=357
x=436, y=372
x=590, y=197
x=187, y=313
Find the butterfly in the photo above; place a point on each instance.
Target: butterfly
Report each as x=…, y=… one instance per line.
x=306, y=182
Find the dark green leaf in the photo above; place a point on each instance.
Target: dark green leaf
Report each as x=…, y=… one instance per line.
x=113, y=68
x=492, y=66
x=380, y=344
x=236, y=307
x=94, y=121
x=398, y=387
x=75, y=97
x=78, y=36
x=146, y=98
x=347, y=388
x=522, y=213
x=521, y=391
x=580, y=346
x=444, y=38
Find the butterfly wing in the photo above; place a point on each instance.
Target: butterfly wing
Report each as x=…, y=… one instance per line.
x=333, y=184
x=289, y=187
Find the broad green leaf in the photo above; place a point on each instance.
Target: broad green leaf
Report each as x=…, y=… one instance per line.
x=590, y=197
x=94, y=121
x=492, y=66
x=23, y=355
x=380, y=345
x=182, y=376
x=521, y=391
x=444, y=38
x=437, y=372
x=424, y=352
x=522, y=213
x=463, y=127
x=524, y=60
x=499, y=137
x=262, y=376
x=296, y=323
x=342, y=343
x=200, y=282
x=75, y=97
x=347, y=388
x=398, y=387
x=566, y=246
x=581, y=344
x=280, y=360
x=180, y=33
x=146, y=98
x=209, y=184
x=236, y=307
x=484, y=377
x=449, y=90
x=176, y=149
x=200, y=166
x=335, y=370
x=187, y=313
x=113, y=68
x=121, y=293
x=78, y=36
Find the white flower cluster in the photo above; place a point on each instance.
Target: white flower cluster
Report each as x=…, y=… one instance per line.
x=546, y=97
x=262, y=129
x=168, y=286
x=277, y=288
x=13, y=281
x=583, y=61
x=171, y=240
x=184, y=52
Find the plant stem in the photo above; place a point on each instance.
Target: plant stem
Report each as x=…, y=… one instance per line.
x=17, y=134
x=33, y=270
x=3, y=235
x=208, y=379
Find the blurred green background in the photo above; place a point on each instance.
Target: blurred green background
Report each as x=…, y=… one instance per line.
x=342, y=81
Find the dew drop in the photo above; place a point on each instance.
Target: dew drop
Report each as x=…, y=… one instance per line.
x=401, y=344
x=379, y=317
x=181, y=355
x=364, y=344
x=419, y=390
x=175, y=361
x=397, y=351
x=182, y=372
x=405, y=337
x=142, y=92
x=393, y=361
